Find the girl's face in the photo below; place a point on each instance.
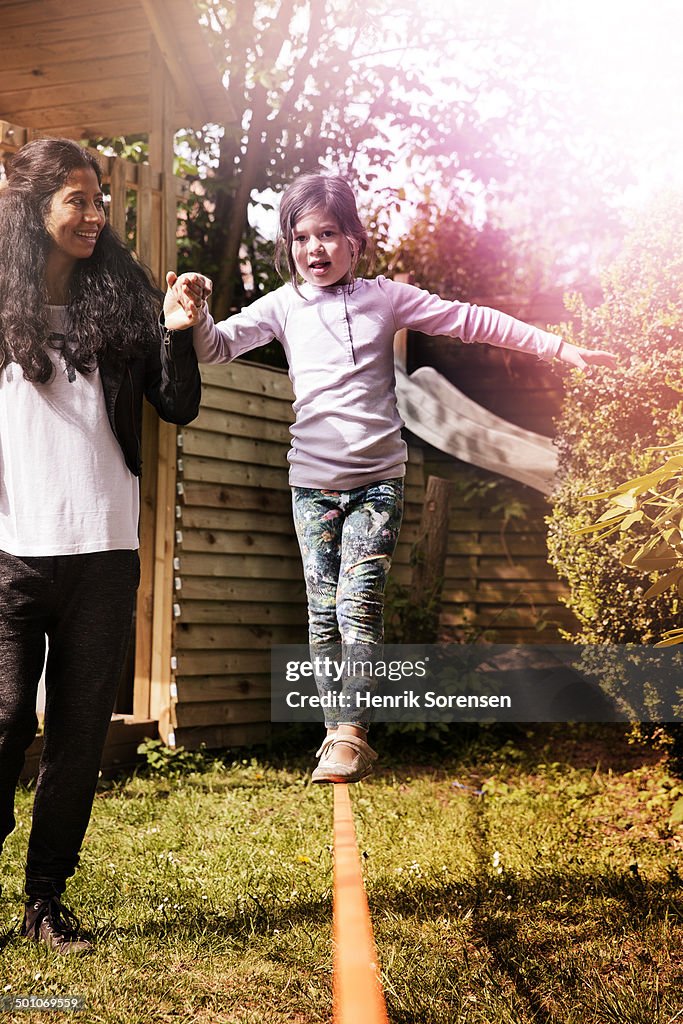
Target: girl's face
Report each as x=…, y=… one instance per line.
x=322, y=253
x=76, y=215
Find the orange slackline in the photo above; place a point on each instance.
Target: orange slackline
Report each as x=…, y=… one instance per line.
x=358, y=995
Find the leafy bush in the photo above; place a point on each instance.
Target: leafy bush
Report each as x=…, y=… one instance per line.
x=611, y=418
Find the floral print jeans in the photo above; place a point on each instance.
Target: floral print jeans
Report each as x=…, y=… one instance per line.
x=347, y=540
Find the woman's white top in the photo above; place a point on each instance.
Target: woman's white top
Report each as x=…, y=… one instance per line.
x=339, y=346
x=64, y=486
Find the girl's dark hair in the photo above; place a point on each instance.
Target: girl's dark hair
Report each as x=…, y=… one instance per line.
x=113, y=305
x=318, y=192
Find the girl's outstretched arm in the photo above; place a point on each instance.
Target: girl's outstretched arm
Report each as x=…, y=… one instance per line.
x=584, y=358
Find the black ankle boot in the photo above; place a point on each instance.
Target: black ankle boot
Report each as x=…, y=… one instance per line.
x=47, y=920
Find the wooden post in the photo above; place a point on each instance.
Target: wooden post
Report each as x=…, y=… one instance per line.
x=428, y=571
x=144, y=240
x=157, y=518
x=167, y=433
x=117, y=204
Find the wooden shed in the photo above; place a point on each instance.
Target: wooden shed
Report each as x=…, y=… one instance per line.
x=125, y=67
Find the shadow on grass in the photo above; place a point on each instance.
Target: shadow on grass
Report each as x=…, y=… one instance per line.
x=257, y=917
x=633, y=902
x=499, y=916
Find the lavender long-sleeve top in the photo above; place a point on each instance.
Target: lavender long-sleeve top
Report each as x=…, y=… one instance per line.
x=339, y=346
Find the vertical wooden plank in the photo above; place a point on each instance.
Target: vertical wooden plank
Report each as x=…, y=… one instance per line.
x=145, y=601
x=144, y=226
x=117, y=203
x=156, y=257
x=147, y=227
x=162, y=621
x=161, y=158
x=147, y=246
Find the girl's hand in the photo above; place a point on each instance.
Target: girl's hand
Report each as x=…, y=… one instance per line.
x=184, y=298
x=584, y=358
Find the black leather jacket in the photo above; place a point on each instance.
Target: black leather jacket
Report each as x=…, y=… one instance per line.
x=168, y=378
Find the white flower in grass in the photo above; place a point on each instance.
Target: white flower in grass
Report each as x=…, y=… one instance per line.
x=495, y=860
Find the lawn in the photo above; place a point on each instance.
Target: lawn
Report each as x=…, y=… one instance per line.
x=553, y=898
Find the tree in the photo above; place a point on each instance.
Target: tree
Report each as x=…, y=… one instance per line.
x=456, y=258
x=355, y=87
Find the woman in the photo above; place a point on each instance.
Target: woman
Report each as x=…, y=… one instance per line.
x=80, y=345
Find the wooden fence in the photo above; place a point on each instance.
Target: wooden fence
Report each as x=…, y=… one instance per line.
x=498, y=583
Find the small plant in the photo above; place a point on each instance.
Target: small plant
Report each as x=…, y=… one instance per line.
x=162, y=761
x=409, y=621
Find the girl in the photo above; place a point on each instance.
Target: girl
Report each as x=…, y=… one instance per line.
x=79, y=346
x=347, y=459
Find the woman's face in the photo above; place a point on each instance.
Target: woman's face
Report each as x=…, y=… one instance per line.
x=76, y=215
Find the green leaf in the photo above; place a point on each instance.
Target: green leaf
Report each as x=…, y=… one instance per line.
x=635, y=517
x=663, y=583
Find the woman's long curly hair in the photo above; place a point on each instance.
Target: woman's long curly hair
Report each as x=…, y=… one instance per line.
x=113, y=304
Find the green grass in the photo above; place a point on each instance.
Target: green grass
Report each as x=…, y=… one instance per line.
x=554, y=899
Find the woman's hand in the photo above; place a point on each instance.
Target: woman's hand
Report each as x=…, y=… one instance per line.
x=584, y=358
x=184, y=298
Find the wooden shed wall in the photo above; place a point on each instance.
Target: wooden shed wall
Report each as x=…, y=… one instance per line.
x=498, y=584
x=239, y=584
x=497, y=577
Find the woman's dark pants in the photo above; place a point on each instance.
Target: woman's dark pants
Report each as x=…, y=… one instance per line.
x=83, y=604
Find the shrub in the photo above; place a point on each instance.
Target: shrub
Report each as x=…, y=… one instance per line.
x=611, y=418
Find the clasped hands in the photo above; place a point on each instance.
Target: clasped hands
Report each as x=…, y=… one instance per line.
x=184, y=299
